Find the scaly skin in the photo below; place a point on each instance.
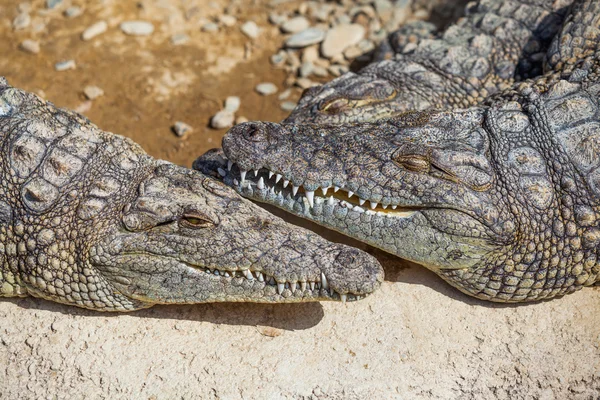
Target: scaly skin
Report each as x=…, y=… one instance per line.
x=501, y=200
x=88, y=219
x=494, y=45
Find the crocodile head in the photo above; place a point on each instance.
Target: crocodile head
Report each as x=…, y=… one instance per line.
x=417, y=187
x=186, y=238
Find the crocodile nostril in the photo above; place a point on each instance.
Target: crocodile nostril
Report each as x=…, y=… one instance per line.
x=254, y=133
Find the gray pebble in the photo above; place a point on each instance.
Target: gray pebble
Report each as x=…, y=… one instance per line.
x=285, y=94
x=288, y=105
x=306, y=69
x=21, y=21
x=278, y=59
x=266, y=88
x=277, y=19
x=210, y=27
x=306, y=38
x=179, y=39
x=137, y=28
x=52, y=3
x=73, y=12
x=93, y=92
x=250, y=29
x=227, y=20
x=65, y=65
x=94, y=30
x=181, y=128
x=30, y=46
x=295, y=25
x=232, y=104
x=221, y=120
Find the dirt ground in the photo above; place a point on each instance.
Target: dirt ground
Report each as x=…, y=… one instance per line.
x=415, y=338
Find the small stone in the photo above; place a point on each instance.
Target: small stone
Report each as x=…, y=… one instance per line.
x=288, y=105
x=227, y=20
x=241, y=120
x=232, y=104
x=30, y=46
x=306, y=69
x=73, y=12
x=92, y=92
x=340, y=38
x=65, y=65
x=250, y=29
x=337, y=70
x=320, y=71
x=266, y=88
x=210, y=27
x=277, y=19
x=278, y=59
x=221, y=120
x=52, y=3
x=306, y=38
x=137, y=28
x=310, y=54
x=21, y=21
x=181, y=128
x=179, y=39
x=295, y=25
x=94, y=30
x=285, y=94
x=305, y=83
x=352, y=52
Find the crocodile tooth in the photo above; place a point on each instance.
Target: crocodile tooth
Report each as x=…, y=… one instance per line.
x=242, y=176
x=310, y=196
x=248, y=274
x=294, y=190
x=280, y=287
x=373, y=204
x=272, y=190
x=324, y=281
x=312, y=285
x=324, y=190
x=361, y=201
x=343, y=297
x=285, y=183
x=271, y=174
x=272, y=281
x=394, y=207
x=330, y=200
x=358, y=297
x=216, y=272
x=303, y=286
x=384, y=206
x=229, y=165
x=318, y=285
x=260, y=277
x=335, y=189
x=261, y=183
x=350, y=193
x=255, y=173
x=277, y=178
x=293, y=286
x=222, y=172
x=226, y=274
x=371, y=212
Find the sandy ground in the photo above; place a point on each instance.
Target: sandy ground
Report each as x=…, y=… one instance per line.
x=415, y=338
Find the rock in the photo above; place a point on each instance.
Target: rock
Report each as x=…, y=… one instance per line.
x=73, y=12
x=266, y=88
x=137, y=28
x=65, y=65
x=337, y=70
x=241, y=120
x=250, y=29
x=352, y=52
x=52, y=3
x=285, y=94
x=179, y=39
x=210, y=27
x=94, y=30
x=232, y=104
x=305, y=38
x=278, y=59
x=310, y=54
x=288, y=105
x=295, y=25
x=227, y=20
x=92, y=92
x=221, y=120
x=306, y=69
x=277, y=19
x=30, y=46
x=340, y=38
x=21, y=21
x=305, y=83
x=181, y=128
x=320, y=71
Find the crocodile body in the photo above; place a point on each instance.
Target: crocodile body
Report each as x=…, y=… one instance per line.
x=502, y=200
x=495, y=44
x=88, y=219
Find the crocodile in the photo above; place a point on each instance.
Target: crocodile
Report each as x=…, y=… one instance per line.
x=502, y=200
x=494, y=45
x=88, y=219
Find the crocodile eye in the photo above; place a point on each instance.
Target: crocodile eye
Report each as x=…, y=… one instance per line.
x=414, y=163
x=195, y=221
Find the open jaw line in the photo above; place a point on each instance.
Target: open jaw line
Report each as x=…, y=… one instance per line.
x=306, y=288
x=269, y=182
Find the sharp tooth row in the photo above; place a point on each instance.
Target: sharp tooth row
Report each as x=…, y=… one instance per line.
x=310, y=194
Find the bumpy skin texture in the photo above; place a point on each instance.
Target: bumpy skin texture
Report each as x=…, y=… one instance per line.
x=494, y=45
x=88, y=219
x=501, y=200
